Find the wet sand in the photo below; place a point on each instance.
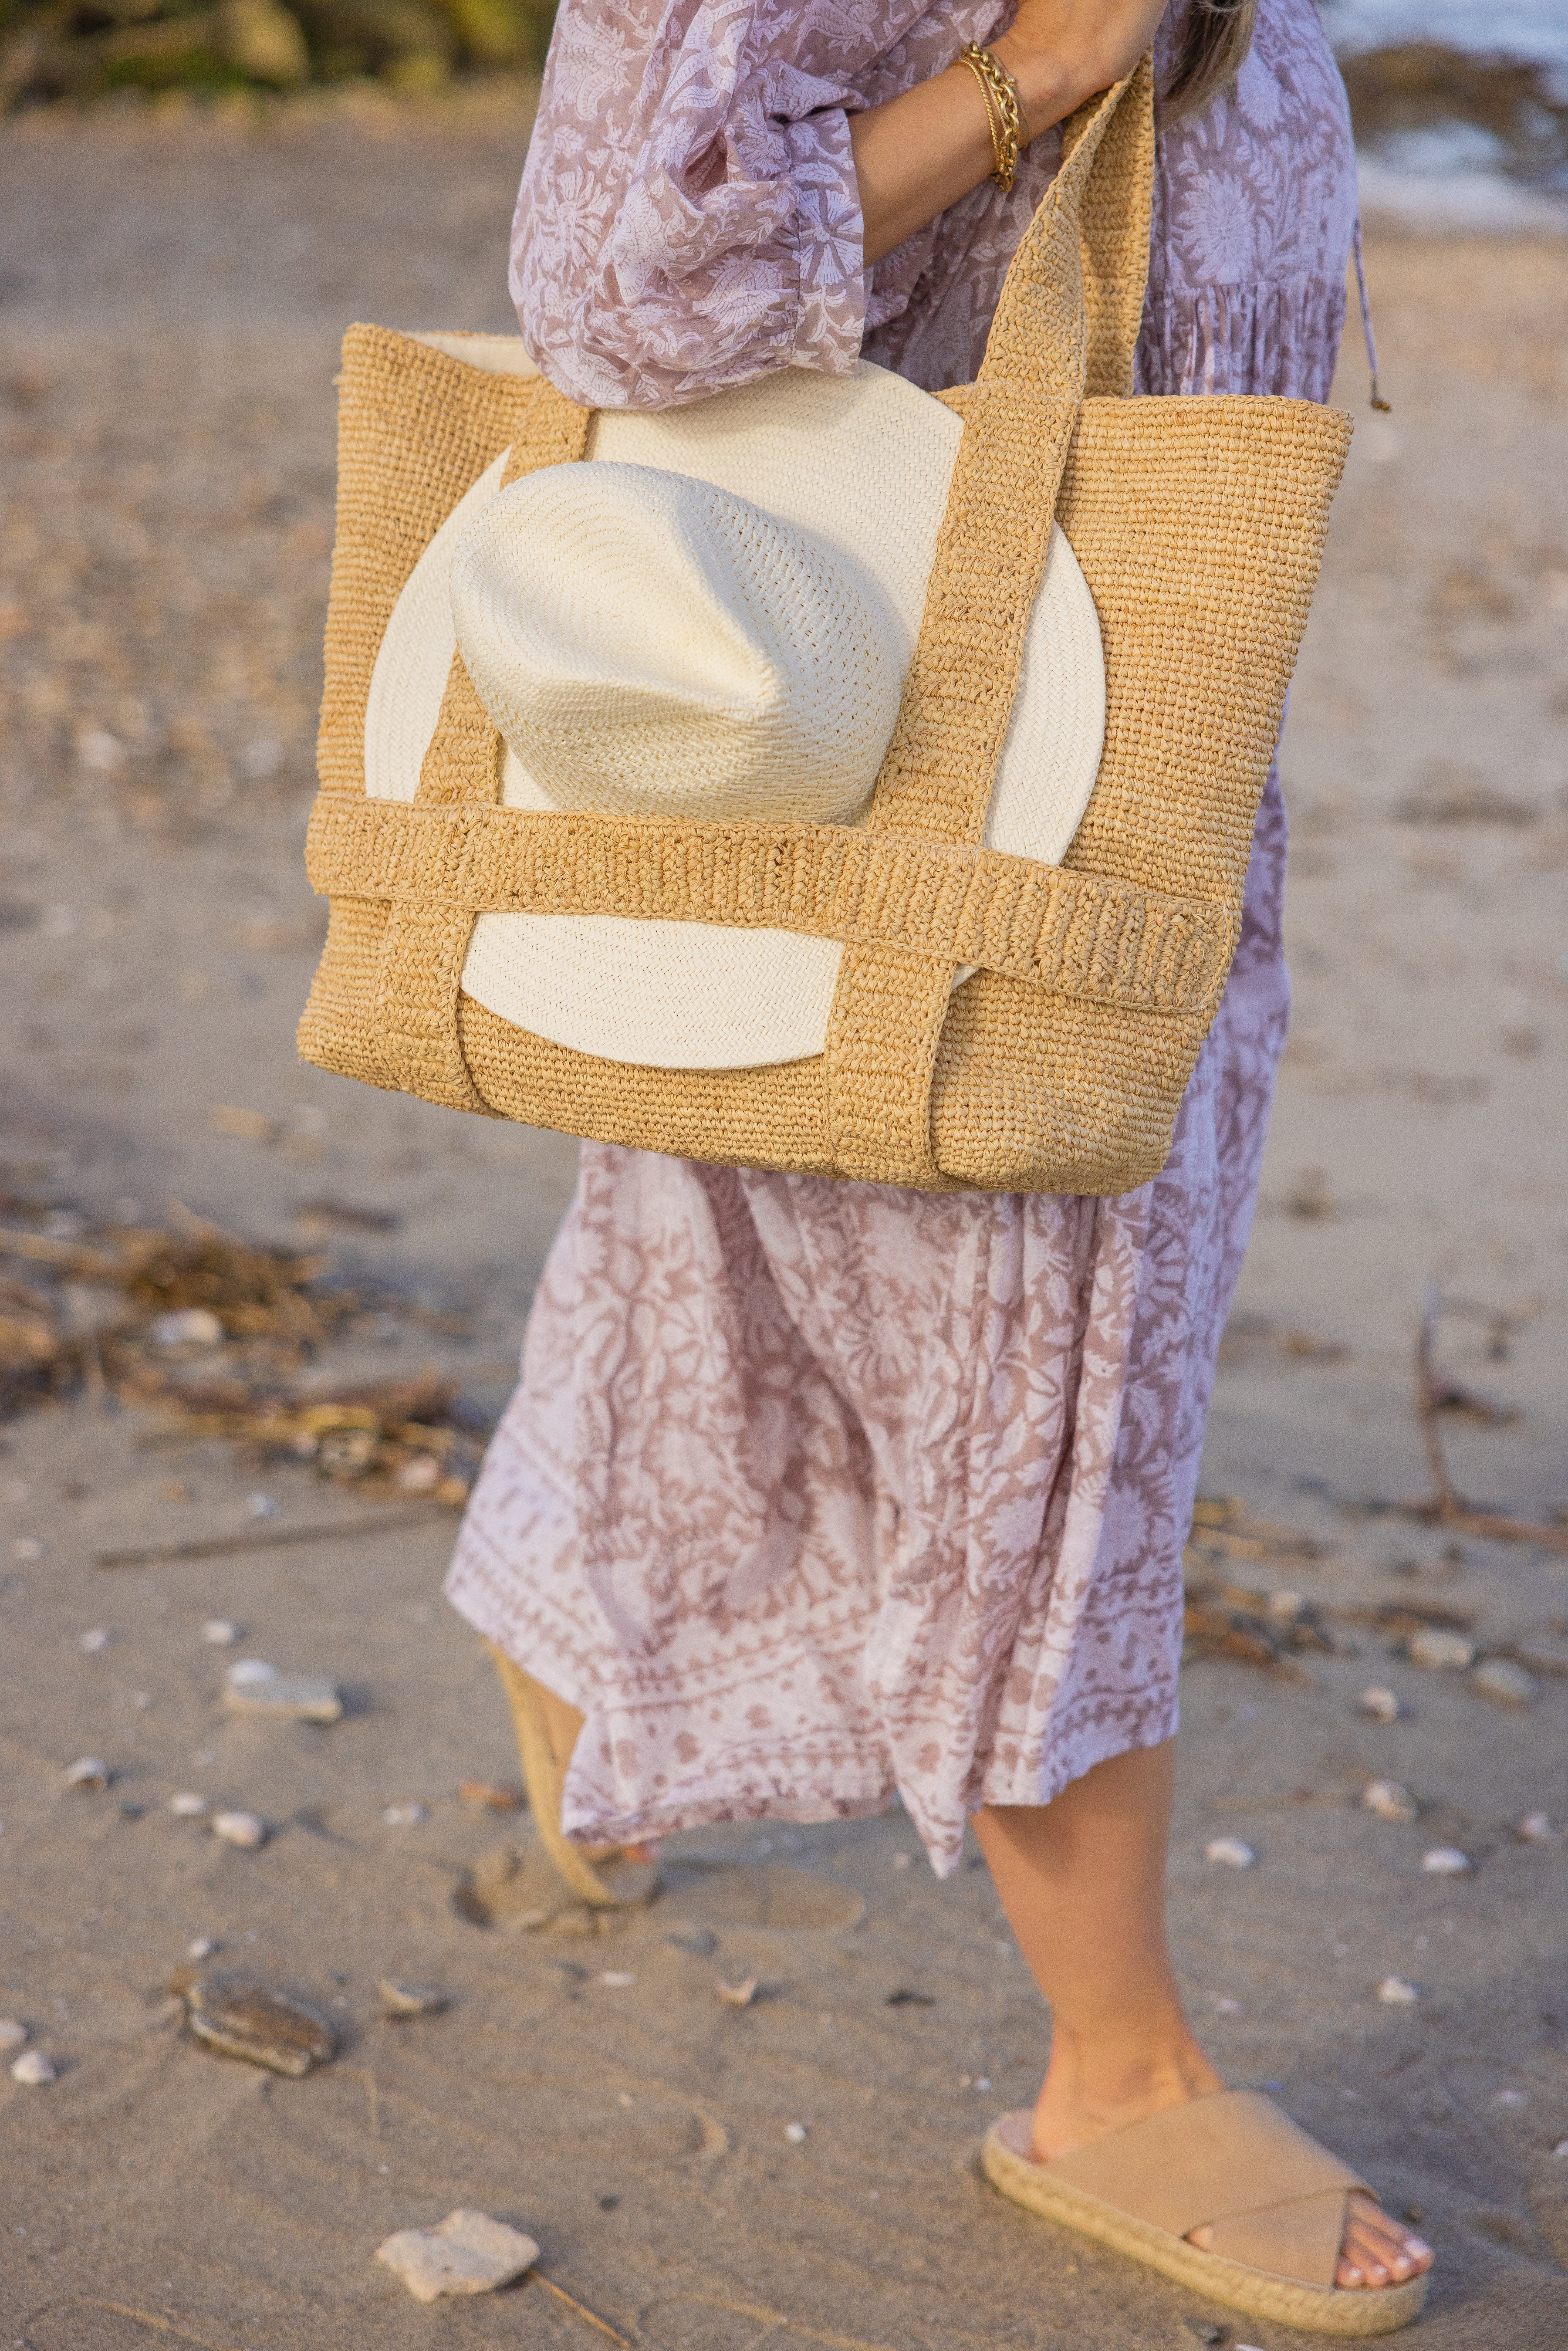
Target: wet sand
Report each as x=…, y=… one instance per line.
x=173, y=297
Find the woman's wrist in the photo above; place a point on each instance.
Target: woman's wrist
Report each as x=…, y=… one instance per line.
x=1049, y=87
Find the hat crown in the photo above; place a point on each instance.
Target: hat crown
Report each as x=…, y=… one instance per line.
x=650, y=644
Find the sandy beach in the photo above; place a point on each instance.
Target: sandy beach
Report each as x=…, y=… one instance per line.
x=173, y=288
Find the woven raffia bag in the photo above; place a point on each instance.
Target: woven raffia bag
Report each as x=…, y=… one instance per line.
x=1059, y=1064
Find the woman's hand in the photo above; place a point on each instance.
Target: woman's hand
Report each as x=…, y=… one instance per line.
x=919, y=154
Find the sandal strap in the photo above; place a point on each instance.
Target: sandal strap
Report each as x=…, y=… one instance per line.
x=1232, y=2162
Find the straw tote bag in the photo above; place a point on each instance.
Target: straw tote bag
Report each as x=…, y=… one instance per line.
x=991, y=1019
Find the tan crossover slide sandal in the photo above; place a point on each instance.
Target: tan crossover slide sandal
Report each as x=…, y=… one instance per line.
x=1231, y=2162
x=598, y=1874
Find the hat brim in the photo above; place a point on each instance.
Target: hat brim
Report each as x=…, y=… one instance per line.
x=860, y=464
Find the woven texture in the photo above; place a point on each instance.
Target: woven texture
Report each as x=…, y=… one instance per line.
x=1198, y=524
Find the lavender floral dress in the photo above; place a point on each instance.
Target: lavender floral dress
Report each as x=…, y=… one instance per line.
x=813, y=1492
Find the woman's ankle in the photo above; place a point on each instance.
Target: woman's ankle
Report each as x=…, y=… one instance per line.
x=1089, y=2091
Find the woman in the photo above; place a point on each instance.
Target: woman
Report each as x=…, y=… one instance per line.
x=816, y=1492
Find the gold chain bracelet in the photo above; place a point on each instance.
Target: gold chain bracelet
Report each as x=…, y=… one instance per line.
x=1004, y=112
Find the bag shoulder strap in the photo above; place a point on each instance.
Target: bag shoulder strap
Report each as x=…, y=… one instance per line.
x=1067, y=322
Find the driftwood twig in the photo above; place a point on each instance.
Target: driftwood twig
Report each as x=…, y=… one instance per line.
x=583, y=2310
x=157, y=1554
x=1448, y=1507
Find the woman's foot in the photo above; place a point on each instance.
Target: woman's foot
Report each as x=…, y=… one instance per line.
x=1376, y=2250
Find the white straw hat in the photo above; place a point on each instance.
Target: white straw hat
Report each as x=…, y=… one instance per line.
x=711, y=618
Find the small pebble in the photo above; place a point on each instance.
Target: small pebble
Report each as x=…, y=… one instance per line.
x=1231, y=1853
x=220, y=1633
x=1561, y=2148
x=200, y=1947
x=188, y=1806
x=190, y=1326
x=1225, y=2007
x=86, y=1772
x=1395, y=1993
x=1508, y=2099
x=260, y=1506
x=1505, y=1683
x=617, y=1978
x=1380, y=1704
x=402, y=1999
x=903, y=1861
x=245, y=1829
x=1536, y=1828
x=796, y=2134
x=1445, y=1861
x=28, y=1547
x=736, y=1995
x=13, y=2032
x=1390, y=1801
x=1440, y=1651
x=1286, y=1606
x=91, y=1643
x=418, y=1475
x=253, y=1686
x=405, y=1816
x=465, y=2254
x=33, y=2068
x=1203, y=2330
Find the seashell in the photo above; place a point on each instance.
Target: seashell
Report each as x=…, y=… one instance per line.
x=252, y=1686
x=247, y=1830
x=13, y=2032
x=1395, y=1993
x=1506, y=1683
x=1445, y=1861
x=1379, y=1703
x=189, y=1326
x=1536, y=1828
x=88, y=1771
x=1440, y=1651
x=1231, y=1853
x=617, y=1978
x=736, y=1995
x=188, y=1806
x=1390, y=1801
x=34, y=2069
x=202, y=1948
x=402, y=1999
x=260, y=1506
x=405, y=1816
x=797, y=2133
x=465, y=2254
x=90, y=1644
x=220, y=1633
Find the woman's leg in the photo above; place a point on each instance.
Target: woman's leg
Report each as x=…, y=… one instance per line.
x=1082, y=1882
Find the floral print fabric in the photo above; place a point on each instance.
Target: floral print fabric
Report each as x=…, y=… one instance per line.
x=814, y=1493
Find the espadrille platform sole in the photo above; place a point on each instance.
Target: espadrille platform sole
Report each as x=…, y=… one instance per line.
x=613, y=1884
x=1191, y=2161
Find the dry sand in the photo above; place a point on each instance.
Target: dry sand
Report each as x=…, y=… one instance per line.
x=172, y=295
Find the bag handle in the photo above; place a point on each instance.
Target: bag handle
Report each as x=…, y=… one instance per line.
x=1067, y=317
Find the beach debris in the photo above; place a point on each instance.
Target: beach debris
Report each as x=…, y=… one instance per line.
x=468, y=2252
x=1223, y=1529
x=33, y=2069
x=253, y=1686
x=491, y=1795
x=1390, y=1801
x=13, y=2032
x=1505, y=1683
x=1536, y=1828
x=616, y=1979
x=1378, y=1704
x=89, y=1771
x=191, y=1327
x=1440, y=1651
x=219, y=1633
x=688, y=1935
x=797, y=2133
x=157, y=1554
x=1229, y=1853
x=903, y=1997
x=1203, y=2330
x=247, y=1830
x=91, y=1643
x=245, y=2020
x=1445, y=1861
x=736, y=1995
x=200, y=1947
x=188, y=1806
x=405, y=1816
x=1396, y=1992
x=401, y=2001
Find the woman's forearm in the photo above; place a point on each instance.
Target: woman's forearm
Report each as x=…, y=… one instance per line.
x=919, y=154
